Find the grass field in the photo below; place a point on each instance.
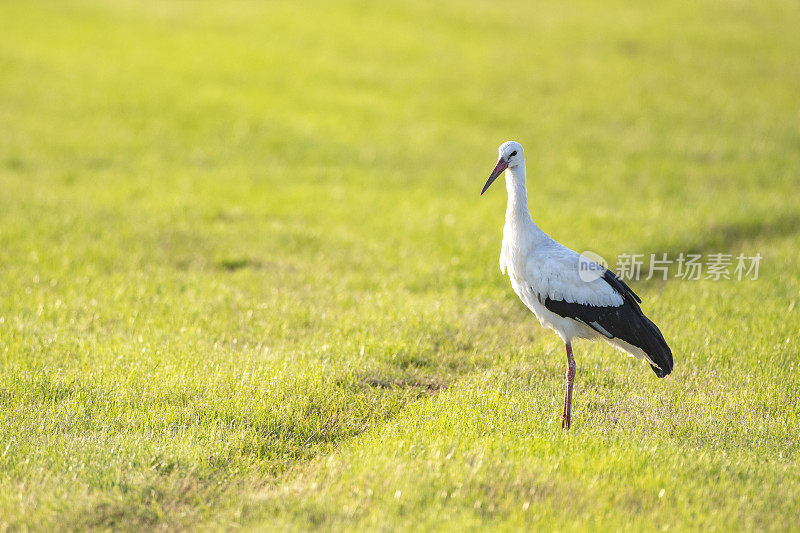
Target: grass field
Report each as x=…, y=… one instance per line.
x=246, y=279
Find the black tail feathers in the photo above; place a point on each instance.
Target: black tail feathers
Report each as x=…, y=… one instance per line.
x=657, y=349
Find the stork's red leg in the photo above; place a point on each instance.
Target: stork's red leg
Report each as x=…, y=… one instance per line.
x=568, y=395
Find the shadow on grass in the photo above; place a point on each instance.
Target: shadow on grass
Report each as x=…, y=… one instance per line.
x=724, y=238
x=423, y=385
x=727, y=236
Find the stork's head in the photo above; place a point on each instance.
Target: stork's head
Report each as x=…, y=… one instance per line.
x=510, y=155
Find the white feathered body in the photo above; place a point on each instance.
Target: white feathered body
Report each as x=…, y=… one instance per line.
x=540, y=267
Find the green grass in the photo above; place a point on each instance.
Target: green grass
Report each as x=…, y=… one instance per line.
x=246, y=278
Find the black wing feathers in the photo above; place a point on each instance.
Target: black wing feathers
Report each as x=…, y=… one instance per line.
x=622, y=288
x=625, y=322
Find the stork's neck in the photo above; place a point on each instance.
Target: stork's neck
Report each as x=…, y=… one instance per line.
x=517, y=213
x=520, y=227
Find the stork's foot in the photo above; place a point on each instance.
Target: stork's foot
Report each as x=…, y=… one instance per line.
x=567, y=420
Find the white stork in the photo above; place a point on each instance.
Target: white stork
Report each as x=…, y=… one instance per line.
x=546, y=276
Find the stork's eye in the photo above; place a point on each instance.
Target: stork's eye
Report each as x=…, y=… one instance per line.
x=513, y=153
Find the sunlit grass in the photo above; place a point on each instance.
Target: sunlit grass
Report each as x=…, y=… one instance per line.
x=246, y=277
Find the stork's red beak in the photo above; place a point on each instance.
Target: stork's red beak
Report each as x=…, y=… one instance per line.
x=502, y=164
